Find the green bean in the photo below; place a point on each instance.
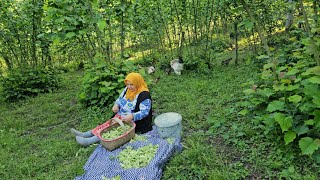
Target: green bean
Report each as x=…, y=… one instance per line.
x=114, y=132
x=137, y=158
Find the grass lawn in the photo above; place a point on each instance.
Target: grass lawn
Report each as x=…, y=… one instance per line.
x=35, y=142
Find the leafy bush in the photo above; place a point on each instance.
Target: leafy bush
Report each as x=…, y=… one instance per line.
x=219, y=45
x=287, y=102
x=103, y=82
x=21, y=83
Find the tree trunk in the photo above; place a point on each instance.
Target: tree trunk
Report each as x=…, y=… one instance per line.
x=308, y=29
x=207, y=33
x=195, y=35
x=262, y=37
x=316, y=6
x=7, y=60
x=34, y=35
x=185, y=19
x=10, y=49
x=289, y=19
x=99, y=37
x=175, y=33
x=110, y=45
x=122, y=38
x=181, y=32
x=93, y=51
x=165, y=27
x=84, y=46
x=236, y=42
x=207, y=25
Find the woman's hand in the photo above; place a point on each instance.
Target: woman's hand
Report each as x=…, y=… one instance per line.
x=115, y=108
x=127, y=118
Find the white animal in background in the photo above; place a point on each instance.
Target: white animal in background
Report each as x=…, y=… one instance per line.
x=151, y=69
x=177, y=65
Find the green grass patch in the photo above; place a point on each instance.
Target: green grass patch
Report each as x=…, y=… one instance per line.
x=35, y=139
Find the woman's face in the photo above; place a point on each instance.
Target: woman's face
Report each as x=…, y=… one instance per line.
x=130, y=86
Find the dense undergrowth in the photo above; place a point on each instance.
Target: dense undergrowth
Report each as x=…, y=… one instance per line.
x=218, y=142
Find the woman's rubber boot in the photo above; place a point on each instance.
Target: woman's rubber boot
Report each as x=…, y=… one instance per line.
x=87, y=141
x=82, y=134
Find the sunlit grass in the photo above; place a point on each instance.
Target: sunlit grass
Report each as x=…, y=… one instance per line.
x=197, y=97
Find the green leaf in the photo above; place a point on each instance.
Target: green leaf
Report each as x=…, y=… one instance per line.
x=56, y=40
x=307, y=106
x=317, y=119
x=268, y=120
x=280, y=69
x=94, y=101
x=104, y=90
x=286, y=81
x=289, y=137
x=315, y=79
x=60, y=20
x=256, y=101
x=316, y=100
x=295, y=99
x=308, y=146
x=309, y=122
x=301, y=129
x=278, y=87
x=314, y=70
x=297, y=80
x=248, y=91
x=244, y=112
x=311, y=89
x=292, y=87
x=70, y=35
x=266, y=74
x=284, y=121
x=105, y=83
x=291, y=170
x=266, y=66
x=40, y=35
x=248, y=24
x=316, y=157
x=102, y=24
x=82, y=31
x=266, y=92
x=292, y=72
x=111, y=87
x=275, y=106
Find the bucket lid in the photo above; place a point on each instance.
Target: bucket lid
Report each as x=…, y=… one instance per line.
x=168, y=119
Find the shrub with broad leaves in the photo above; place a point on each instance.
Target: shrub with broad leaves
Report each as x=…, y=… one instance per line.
x=287, y=101
x=22, y=83
x=103, y=82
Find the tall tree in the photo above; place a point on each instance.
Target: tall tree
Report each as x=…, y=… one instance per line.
x=314, y=47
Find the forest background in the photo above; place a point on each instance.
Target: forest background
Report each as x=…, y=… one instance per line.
x=253, y=66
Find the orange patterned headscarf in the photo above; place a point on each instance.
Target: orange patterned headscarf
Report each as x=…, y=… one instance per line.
x=138, y=81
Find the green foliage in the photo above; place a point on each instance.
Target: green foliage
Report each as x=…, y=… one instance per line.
x=69, y=66
x=103, y=82
x=21, y=83
x=220, y=44
x=38, y=127
x=287, y=102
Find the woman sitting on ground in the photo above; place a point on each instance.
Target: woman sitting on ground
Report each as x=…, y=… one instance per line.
x=134, y=104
